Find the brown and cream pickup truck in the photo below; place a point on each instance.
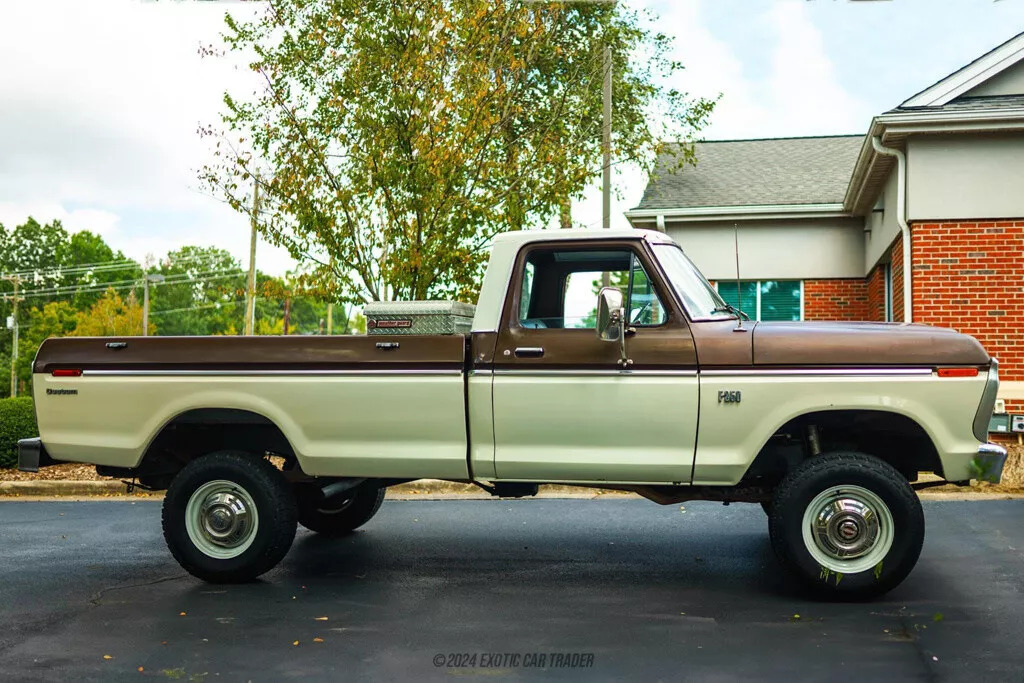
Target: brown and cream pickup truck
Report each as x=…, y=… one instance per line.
x=654, y=385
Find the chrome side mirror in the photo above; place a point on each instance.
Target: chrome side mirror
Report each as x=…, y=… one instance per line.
x=611, y=320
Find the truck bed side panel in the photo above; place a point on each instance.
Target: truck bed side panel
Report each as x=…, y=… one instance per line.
x=348, y=405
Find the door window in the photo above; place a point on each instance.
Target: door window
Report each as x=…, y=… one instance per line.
x=560, y=287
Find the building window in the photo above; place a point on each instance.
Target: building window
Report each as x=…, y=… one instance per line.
x=765, y=299
x=887, y=274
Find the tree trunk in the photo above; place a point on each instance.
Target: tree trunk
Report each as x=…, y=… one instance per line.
x=565, y=213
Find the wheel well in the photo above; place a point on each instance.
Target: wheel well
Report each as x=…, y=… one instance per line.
x=206, y=430
x=894, y=438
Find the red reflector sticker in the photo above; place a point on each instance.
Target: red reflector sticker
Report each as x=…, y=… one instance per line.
x=67, y=372
x=958, y=372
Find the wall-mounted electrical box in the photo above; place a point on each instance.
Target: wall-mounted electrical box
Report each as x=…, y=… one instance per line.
x=1017, y=423
x=999, y=423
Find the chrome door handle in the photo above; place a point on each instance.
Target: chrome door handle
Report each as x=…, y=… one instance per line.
x=529, y=352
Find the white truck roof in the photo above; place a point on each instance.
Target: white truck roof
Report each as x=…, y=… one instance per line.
x=503, y=256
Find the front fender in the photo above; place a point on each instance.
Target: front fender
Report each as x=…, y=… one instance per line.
x=731, y=434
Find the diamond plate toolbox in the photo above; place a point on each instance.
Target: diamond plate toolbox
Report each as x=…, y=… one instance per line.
x=418, y=317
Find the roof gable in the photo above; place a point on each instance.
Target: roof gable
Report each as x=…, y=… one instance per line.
x=1008, y=82
x=735, y=173
x=972, y=76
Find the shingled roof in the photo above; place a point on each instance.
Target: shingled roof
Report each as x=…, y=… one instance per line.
x=776, y=171
x=988, y=103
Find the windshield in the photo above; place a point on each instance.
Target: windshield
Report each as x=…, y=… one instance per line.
x=699, y=297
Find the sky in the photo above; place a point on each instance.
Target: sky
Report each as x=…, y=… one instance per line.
x=100, y=101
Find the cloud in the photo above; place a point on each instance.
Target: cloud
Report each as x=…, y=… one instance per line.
x=800, y=94
x=101, y=104
x=102, y=99
x=94, y=220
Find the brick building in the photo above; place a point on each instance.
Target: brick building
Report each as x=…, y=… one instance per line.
x=827, y=225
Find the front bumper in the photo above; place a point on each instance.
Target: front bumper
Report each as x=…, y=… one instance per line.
x=988, y=464
x=32, y=455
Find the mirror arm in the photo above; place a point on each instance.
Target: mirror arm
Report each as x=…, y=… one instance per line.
x=624, y=330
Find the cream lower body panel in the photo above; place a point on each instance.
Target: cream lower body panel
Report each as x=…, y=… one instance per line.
x=360, y=425
x=732, y=434
x=594, y=428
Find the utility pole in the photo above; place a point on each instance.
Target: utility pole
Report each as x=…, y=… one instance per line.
x=606, y=143
x=606, y=148
x=145, y=305
x=250, y=287
x=154, y=278
x=330, y=319
x=14, y=332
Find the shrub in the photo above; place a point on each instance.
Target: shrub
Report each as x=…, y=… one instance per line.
x=17, y=421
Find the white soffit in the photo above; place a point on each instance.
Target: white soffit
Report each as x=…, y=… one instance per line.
x=970, y=76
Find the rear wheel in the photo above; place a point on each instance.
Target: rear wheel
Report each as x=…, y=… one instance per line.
x=228, y=517
x=340, y=515
x=846, y=525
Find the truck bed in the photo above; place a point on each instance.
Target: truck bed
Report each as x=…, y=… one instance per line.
x=381, y=406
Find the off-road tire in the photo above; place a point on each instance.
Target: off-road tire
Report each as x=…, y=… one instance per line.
x=274, y=503
x=818, y=474
x=355, y=511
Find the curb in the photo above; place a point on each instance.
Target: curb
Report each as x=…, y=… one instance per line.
x=58, y=487
x=423, y=488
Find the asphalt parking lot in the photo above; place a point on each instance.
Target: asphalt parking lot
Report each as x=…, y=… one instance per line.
x=559, y=589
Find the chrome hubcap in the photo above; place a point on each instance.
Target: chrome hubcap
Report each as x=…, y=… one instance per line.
x=848, y=529
x=845, y=528
x=221, y=519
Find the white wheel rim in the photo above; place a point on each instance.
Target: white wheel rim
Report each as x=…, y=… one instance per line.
x=221, y=519
x=847, y=529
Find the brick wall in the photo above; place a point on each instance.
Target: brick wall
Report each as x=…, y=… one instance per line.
x=839, y=299
x=970, y=276
x=897, y=279
x=876, y=293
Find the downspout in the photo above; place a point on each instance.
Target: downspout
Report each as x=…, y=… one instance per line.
x=901, y=218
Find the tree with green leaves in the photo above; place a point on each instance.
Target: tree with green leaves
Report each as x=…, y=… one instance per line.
x=392, y=141
x=111, y=316
x=55, y=319
x=202, y=292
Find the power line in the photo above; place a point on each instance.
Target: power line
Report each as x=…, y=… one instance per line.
x=76, y=265
x=129, y=284
x=174, y=279
x=58, y=271
x=218, y=304
x=98, y=266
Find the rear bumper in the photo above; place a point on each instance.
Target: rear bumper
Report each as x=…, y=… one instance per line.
x=32, y=455
x=988, y=464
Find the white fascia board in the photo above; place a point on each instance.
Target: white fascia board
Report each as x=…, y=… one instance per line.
x=701, y=213
x=926, y=122
x=952, y=120
x=984, y=68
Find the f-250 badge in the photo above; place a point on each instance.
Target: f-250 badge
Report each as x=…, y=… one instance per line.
x=728, y=397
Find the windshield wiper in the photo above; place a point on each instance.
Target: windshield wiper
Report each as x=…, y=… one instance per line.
x=729, y=308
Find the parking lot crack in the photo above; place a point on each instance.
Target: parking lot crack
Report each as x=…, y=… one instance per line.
x=98, y=595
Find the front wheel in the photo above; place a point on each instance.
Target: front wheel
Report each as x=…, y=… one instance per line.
x=228, y=517
x=846, y=525
x=340, y=515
